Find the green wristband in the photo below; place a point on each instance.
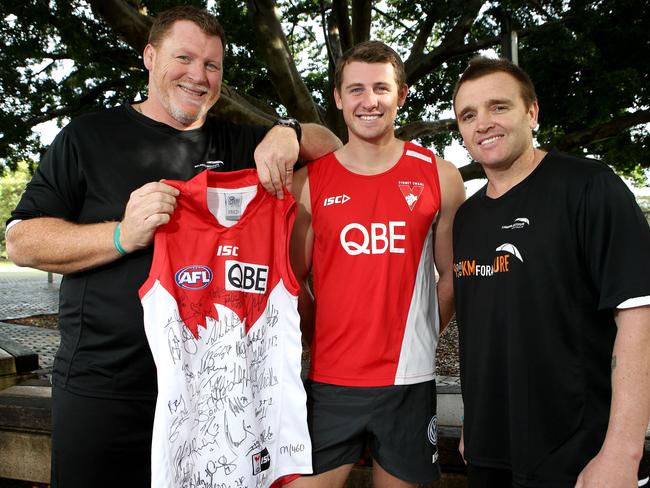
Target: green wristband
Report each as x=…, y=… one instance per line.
x=116, y=240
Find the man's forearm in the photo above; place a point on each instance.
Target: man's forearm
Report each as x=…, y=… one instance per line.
x=58, y=246
x=445, y=300
x=630, y=407
x=317, y=141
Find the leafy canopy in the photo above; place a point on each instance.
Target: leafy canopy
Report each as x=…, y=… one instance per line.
x=587, y=59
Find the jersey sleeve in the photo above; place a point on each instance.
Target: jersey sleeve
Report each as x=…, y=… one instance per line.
x=615, y=239
x=58, y=186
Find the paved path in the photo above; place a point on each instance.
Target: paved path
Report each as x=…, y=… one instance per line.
x=25, y=292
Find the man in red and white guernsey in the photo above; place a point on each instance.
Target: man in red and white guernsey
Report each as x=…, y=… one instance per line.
x=220, y=314
x=373, y=219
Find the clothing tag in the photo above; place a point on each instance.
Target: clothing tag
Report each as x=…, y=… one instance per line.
x=233, y=204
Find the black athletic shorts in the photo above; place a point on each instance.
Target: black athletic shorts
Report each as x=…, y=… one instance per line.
x=98, y=442
x=397, y=424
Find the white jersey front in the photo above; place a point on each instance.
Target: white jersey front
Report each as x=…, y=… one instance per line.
x=220, y=309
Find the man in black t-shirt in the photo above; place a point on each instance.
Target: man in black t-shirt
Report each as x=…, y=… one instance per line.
x=90, y=213
x=552, y=292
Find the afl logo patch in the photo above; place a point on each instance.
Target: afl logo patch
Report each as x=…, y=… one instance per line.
x=432, y=431
x=193, y=277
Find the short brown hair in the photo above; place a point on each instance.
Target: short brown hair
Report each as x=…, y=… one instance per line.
x=481, y=66
x=370, y=52
x=207, y=22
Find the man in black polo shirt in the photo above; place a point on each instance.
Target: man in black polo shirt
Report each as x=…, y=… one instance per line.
x=90, y=213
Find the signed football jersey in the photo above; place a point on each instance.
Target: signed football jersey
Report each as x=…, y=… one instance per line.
x=374, y=279
x=220, y=314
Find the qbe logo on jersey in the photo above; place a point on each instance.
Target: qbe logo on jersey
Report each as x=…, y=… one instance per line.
x=193, y=277
x=246, y=277
x=380, y=238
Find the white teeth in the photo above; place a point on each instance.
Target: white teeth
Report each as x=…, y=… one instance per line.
x=491, y=139
x=195, y=92
x=369, y=117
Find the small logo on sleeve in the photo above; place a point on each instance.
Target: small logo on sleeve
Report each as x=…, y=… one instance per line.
x=193, y=277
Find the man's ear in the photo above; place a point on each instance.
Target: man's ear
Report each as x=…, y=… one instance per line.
x=533, y=114
x=337, y=99
x=403, y=92
x=148, y=55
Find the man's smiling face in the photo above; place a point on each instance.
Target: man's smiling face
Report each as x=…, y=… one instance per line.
x=494, y=120
x=369, y=98
x=185, y=74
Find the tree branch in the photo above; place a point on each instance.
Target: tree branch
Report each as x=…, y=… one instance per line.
x=272, y=44
x=82, y=101
x=604, y=131
x=471, y=171
x=132, y=26
x=236, y=108
x=418, y=66
x=341, y=19
x=361, y=18
x=420, y=42
x=417, y=129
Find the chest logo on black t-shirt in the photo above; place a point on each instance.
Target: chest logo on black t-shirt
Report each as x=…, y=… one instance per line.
x=501, y=263
x=519, y=223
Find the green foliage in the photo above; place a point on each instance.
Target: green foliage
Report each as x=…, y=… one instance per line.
x=11, y=188
x=57, y=59
x=587, y=59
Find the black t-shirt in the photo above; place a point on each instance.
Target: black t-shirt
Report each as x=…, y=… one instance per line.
x=87, y=176
x=537, y=273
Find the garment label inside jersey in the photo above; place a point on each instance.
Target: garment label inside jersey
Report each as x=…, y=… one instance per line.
x=233, y=206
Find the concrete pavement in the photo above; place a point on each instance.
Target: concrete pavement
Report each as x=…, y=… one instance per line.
x=25, y=292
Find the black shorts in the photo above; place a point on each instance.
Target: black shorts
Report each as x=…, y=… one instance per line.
x=397, y=424
x=100, y=442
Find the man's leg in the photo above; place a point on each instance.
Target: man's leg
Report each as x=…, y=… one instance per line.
x=337, y=417
x=100, y=442
x=404, y=442
x=383, y=479
x=334, y=478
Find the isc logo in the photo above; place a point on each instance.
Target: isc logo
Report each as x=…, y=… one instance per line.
x=261, y=461
x=227, y=250
x=246, y=277
x=357, y=239
x=334, y=200
x=193, y=277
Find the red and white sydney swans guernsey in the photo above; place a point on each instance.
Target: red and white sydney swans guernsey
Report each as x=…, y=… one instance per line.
x=220, y=313
x=376, y=304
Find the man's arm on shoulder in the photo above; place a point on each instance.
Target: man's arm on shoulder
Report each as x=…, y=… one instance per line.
x=617, y=462
x=452, y=193
x=56, y=245
x=302, y=241
x=278, y=152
